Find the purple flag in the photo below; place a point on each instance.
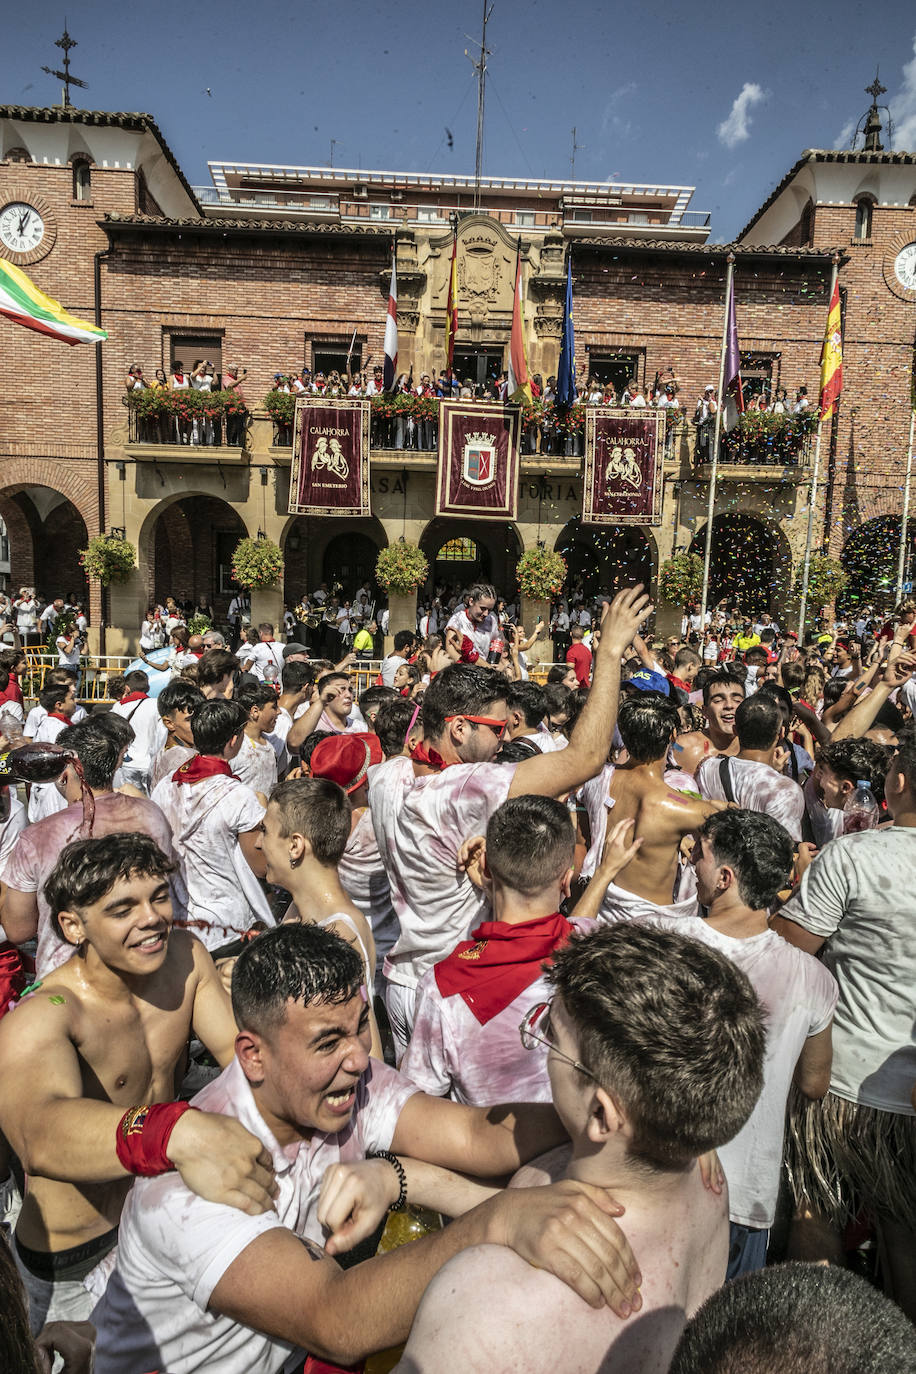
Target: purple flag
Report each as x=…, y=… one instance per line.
x=732, y=393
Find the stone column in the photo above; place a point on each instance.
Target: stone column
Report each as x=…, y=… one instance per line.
x=267, y=605
x=402, y=615
x=530, y=613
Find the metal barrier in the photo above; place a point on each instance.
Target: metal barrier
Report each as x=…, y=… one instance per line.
x=95, y=670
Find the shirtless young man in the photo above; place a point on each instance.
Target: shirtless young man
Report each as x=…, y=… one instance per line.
x=662, y=816
x=655, y=1053
x=108, y=1030
x=722, y=696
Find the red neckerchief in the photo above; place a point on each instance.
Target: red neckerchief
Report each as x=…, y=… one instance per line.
x=56, y=715
x=421, y=753
x=179, y=377
x=202, y=766
x=133, y=696
x=679, y=682
x=490, y=970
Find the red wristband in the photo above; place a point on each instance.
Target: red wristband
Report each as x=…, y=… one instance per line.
x=143, y=1135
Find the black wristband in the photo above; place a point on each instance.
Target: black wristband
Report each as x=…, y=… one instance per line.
x=398, y=1168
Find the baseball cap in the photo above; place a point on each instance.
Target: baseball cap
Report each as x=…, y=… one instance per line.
x=293, y=648
x=345, y=759
x=645, y=681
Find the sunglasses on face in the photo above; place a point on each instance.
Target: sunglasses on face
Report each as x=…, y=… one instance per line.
x=497, y=726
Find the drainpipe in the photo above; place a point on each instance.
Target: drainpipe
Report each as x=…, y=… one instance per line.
x=100, y=428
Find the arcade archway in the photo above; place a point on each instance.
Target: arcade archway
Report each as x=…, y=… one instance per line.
x=870, y=557
x=602, y=559
x=339, y=552
x=46, y=533
x=465, y=551
x=748, y=566
x=187, y=547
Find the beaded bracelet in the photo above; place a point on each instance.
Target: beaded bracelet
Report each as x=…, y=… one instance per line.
x=402, y=1176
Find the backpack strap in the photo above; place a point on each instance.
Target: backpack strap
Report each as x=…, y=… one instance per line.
x=725, y=778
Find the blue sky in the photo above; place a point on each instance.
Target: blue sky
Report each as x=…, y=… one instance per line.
x=709, y=95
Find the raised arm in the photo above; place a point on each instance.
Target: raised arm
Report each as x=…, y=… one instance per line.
x=550, y=775
x=862, y=715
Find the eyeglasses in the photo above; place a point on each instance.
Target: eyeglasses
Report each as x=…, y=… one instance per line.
x=497, y=726
x=538, y=1019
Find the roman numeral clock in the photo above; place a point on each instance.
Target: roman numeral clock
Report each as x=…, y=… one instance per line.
x=27, y=227
x=900, y=266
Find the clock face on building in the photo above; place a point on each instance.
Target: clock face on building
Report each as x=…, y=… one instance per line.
x=22, y=228
x=905, y=266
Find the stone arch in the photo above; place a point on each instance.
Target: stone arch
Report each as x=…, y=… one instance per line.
x=499, y=546
x=870, y=556
x=604, y=558
x=46, y=533
x=751, y=561
x=184, y=548
x=306, y=541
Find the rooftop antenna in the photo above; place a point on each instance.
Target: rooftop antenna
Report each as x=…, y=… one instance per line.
x=65, y=42
x=480, y=67
x=576, y=148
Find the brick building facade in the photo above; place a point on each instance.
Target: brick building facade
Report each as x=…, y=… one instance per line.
x=176, y=271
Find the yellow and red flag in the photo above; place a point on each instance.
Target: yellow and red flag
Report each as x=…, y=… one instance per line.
x=832, y=357
x=451, y=309
x=519, y=386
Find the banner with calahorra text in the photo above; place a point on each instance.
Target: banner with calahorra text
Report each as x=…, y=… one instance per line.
x=330, y=468
x=478, y=459
x=624, y=453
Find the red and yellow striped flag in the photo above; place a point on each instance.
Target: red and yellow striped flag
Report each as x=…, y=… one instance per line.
x=519, y=384
x=832, y=357
x=451, y=309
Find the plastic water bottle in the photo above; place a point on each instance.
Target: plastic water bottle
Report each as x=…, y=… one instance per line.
x=861, y=809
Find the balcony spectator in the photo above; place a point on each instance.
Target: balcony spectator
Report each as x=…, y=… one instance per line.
x=594, y=392
x=537, y=386
x=667, y=399
x=296, y=385
x=704, y=417
x=781, y=404
x=637, y=399
x=335, y=387
x=179, y=379
x=356, y=385
x=235, y=423
x=320, y=384
x=610, y=395
x=801, y=401
x=376, y=386
x=135, y=380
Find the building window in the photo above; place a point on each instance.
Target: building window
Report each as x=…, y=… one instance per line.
x=330, y=355
x=581, y=216
x=379, y=211
x=637, y=217
x=428, y=214
x=618, y=368
x=757, y=376
x=82, y=180
x=525, y=219
x=806, y=224
x=321, y=203
x=189, y=348
x=458, y=551
x=864, y=207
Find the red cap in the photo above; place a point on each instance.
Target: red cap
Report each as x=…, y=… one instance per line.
x=346, y=759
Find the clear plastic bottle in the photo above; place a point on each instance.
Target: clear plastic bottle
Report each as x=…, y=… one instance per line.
x=861, y=809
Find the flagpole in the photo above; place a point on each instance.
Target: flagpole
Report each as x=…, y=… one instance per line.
x=711, y=503
x=812, y=501
x=904, y=519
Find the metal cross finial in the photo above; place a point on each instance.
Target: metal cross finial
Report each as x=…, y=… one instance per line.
x=66, y=43
x=875, y=89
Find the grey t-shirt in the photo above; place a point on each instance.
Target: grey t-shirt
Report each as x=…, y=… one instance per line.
x=858, y=894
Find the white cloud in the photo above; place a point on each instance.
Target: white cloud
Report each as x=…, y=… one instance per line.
x=618, y=102
x=736, y=129
x=903, y=107
x=844, y=137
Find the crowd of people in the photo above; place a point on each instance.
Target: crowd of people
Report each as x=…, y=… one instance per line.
x=283, y=960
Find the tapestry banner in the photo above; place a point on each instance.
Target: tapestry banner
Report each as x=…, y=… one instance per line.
x=624, y=452
x=330, y=468
x=478, y=460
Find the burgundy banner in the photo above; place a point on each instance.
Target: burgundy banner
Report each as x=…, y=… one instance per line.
x=330, y=470
x=624, y=452
x=478, y=460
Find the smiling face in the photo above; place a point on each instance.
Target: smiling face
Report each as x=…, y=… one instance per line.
x=723, y=703
x=127, y=929
x=477, y=611
x=304, y=1073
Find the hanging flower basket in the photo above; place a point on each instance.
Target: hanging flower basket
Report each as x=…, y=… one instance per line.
x=541, y=574
x=826, y=579
x=107, y=559
x=257, y=563
x=401, y=568
x=680, y=579
x=199, y=625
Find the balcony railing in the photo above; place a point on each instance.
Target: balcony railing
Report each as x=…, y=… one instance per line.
x=197, y=419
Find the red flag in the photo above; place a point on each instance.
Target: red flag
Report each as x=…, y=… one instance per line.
x=832, y=357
